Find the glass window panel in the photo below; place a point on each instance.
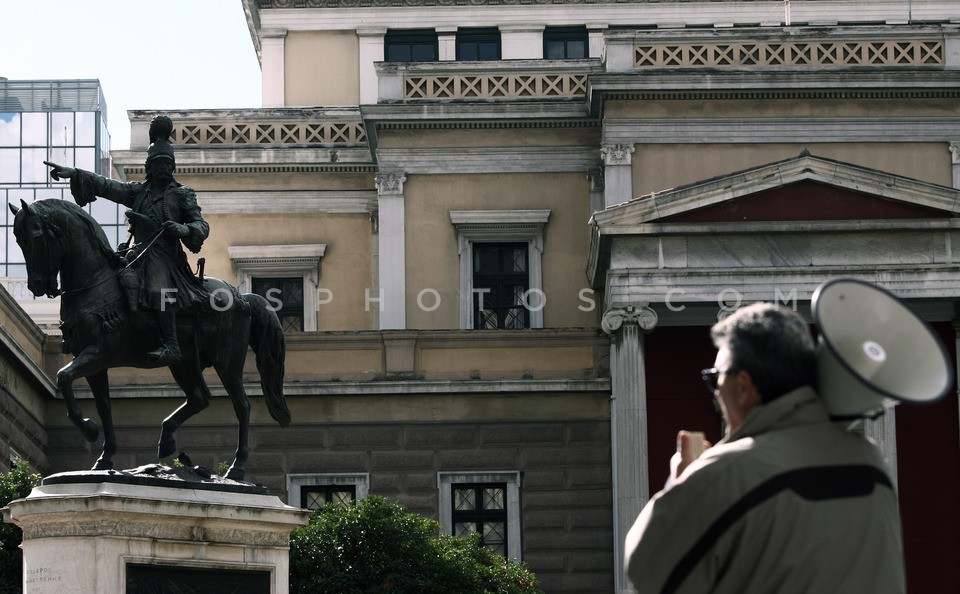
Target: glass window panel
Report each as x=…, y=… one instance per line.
x=493, y=532
x=399, y=53
x=14, y=253
x=462, y=529
x=554, y=50
x=423, y=52
x=86, y=134
x=61, y=128
x=34, y=129
x=341, y=497
x=87, y=159
x=315, y=500
x=576, y=50
x=9, y=129
x=493, y=498
x=18, y=194
x=61, y=155
x=17, y=270
x=464, y=499
x=32, y=169
x=9, y=166
x=411, y=45
x=518, y=260
x=105, y=212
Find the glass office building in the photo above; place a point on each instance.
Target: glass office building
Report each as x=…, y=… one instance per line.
x=64, y=121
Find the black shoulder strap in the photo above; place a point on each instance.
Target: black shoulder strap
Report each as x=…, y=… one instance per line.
x=813, y=484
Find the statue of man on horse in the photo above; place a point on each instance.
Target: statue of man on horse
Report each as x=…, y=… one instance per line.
x=163, y=214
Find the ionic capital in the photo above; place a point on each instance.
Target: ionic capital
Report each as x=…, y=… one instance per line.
x=955, y=151
x=641, y=315
x=617, y=154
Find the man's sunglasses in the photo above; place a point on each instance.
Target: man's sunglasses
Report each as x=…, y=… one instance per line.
x=711, y=377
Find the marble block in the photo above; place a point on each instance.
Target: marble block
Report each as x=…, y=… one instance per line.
x=110, y=538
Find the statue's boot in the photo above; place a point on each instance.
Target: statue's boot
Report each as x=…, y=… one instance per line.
x=169, y=351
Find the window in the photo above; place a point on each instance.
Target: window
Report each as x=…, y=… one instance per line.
x=565, y=43
x=484, y=502
x=410, y=45
x=478, y=44
x=318, y=496
x=483, y=509
x=285, y=296
x=313, y=491
x=284, y=266
x=501, y=280
x=476, y=231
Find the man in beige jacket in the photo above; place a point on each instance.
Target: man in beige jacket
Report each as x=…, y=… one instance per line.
x=787, y=502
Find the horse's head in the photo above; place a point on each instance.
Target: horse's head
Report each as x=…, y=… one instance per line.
x=42, y=251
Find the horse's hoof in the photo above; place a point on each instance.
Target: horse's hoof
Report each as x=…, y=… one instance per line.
x=103, y=465
x=166, y=448
x=90, y=430
x=235, y=474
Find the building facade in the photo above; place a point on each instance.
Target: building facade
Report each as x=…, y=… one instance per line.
x=501, y=231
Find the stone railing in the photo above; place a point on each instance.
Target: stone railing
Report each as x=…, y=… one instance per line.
x=784, y=48
x=789, y=53
x=331, y=127
x=503, y=80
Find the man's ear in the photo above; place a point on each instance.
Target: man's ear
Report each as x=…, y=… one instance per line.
x=747, y=393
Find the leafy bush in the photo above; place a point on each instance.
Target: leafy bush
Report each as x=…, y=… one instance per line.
x=376, y=546
x=15, y=484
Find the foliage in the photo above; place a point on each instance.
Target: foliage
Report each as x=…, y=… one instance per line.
x=376, y=546
x=15, y=484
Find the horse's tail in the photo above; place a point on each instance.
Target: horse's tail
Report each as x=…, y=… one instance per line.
x=269, y=346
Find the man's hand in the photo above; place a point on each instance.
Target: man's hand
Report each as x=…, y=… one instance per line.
x=59, y=171
x=690, y=444
x=176, y=229
x=135, y=217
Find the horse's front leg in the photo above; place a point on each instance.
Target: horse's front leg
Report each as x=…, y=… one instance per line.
x=100, y=386
x=87, y=363
x=190, y=379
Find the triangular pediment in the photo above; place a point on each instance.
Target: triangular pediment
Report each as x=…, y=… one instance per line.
x=803, y=188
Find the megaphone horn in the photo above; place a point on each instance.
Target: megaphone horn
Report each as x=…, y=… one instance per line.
x=874, y=352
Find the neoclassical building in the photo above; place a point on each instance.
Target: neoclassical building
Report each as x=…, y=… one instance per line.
x=501, y=231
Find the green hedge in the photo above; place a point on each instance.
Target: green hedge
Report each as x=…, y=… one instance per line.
x=15, y=484
x=377, y=546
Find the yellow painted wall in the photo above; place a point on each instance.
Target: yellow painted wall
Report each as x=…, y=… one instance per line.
x=431, y=241
x=321, y=68
x=345, y=269
x=658, y=167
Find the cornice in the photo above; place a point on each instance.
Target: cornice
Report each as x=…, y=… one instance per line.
x=288, y=202
x=491, y=160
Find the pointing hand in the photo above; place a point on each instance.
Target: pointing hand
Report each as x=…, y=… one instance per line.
x=59, y=171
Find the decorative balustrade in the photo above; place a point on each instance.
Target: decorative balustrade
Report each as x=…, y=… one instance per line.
x=326, y=133
x=501, y=80
x=790, y=53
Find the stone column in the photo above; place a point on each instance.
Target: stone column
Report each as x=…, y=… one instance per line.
x=596, y=189
x=595, y=40
x=521, y=42
x=392, y=269
x=272, y=57
x=628, y=418
x=618, y=173
x=955, y=154
x=371, y=51
x=446, y=44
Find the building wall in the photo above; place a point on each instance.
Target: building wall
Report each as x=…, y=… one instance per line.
x=658, y=167
x=433, y=240
x=320, y=68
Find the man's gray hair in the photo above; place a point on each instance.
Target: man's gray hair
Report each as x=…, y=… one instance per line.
x=773, y=345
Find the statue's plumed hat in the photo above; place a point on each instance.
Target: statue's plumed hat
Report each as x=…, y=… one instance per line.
x=161, y=127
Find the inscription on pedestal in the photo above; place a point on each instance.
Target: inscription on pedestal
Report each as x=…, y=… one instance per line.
x=43, y=579
x=157, y=579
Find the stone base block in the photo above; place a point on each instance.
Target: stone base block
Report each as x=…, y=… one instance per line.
x=114, y=538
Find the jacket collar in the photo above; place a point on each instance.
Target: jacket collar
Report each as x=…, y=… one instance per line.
x=799, y=407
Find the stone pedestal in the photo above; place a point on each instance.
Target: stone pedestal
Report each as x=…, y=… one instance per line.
x=113, y=538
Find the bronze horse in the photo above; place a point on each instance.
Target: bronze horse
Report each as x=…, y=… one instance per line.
x=101, y=330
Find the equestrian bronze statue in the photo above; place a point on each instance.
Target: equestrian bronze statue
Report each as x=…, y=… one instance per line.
x=142, y=306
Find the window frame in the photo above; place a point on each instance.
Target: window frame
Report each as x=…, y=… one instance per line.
x=498, y=282
x=566, y=35
x=360, y=481
x=511, y=478
x=282, y=261
x=479, y=35
x=410, y=37
x=285, y=311
x=500, y=226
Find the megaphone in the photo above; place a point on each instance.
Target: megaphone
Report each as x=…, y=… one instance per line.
x=874, y=352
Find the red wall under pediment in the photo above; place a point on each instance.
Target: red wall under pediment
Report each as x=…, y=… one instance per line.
x=807, y=201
